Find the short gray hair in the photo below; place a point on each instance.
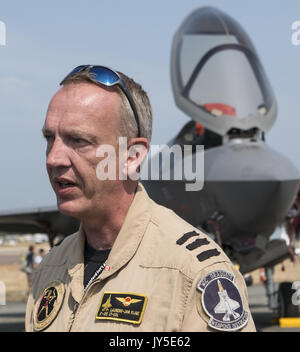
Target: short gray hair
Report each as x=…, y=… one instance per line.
x=128, y=126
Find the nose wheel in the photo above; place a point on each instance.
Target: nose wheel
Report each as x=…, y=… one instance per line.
x=287, y=304
x=287, y=301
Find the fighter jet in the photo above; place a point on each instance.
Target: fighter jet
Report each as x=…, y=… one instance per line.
x=249, y=188
x=226, y=304
x=39, y=220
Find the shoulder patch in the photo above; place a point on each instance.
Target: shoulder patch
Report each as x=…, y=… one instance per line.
x=186, y=236
x=208, y=254
x=48, y=305
x=198, y=242
x=222, y=302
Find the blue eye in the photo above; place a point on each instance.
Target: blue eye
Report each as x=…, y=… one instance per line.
x=80, y=141
x=47, y=137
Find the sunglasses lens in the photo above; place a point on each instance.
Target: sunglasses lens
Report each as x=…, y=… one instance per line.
x=76, y=69
x=104, y=75
x=107, y=77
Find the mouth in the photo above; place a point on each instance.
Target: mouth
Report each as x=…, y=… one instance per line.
x=64, y=186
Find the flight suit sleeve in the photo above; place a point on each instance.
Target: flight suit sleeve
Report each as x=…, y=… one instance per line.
x=28, y=316
x=218, y=301
x=30, y=302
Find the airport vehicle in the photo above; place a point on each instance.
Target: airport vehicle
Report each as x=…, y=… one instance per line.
x=249, y=189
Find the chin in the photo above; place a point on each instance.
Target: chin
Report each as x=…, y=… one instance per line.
x=70, y=208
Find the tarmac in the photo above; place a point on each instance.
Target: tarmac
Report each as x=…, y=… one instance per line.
x=12, y=315
x=263, y=316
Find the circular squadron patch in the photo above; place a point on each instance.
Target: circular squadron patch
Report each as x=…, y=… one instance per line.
x=222, y=301
x=48, y=305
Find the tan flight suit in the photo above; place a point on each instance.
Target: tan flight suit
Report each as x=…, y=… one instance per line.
x=151, y=258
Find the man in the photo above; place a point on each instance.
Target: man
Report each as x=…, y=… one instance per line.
x=133, y=265
x=38, y=258
x=28, y=267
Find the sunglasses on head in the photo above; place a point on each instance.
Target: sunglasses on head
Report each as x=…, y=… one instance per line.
x=109, y=78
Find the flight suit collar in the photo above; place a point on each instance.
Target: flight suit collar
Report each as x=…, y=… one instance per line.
x=131, y=233
x=124, y=247
x=76, y=266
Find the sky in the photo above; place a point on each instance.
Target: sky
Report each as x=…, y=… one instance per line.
x=46, y=40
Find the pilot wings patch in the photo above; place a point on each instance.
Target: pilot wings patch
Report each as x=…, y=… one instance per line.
x=222, y=301
x=122, y=306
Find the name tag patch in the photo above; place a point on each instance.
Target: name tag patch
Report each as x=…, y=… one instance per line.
x=120, y=306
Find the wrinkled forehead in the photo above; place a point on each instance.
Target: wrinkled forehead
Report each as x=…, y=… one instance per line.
x=84, y=102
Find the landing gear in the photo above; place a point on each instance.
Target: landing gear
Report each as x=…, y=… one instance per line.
x=50, y=238
x=286, y=307
x=284, y=304
x=270, y=288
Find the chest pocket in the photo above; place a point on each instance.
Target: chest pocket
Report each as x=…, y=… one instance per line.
x=164, y=291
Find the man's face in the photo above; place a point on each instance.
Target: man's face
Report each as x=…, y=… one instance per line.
x=80, y=118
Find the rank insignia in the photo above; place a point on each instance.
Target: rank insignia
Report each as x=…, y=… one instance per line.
x=222, y=301
x=125, y=307
x=48, y=305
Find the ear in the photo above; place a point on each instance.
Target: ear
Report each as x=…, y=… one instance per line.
x=137, y=152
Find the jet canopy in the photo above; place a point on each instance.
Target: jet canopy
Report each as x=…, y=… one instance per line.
x=217, y=77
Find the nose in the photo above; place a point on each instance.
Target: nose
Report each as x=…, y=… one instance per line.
x=254, y=186
x=57, y=155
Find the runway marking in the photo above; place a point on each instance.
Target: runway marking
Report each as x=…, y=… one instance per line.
x=289, y=322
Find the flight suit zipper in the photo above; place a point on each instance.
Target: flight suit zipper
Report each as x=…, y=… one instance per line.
x=77, y=305
x=72, y=317
x=95, y=279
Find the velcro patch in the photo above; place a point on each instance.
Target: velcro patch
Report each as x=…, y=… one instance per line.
x=222, y=301
x=208, y=254
x=186, y=236
x=48, y=305
x=120, y=306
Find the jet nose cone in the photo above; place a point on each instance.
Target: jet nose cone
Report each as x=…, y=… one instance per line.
x=254, y=186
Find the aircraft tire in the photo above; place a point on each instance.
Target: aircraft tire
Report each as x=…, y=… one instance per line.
x=285, y=306
x=248, y=279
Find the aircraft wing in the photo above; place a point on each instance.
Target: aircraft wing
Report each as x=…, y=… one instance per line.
x=44, y=219
x=222, y=306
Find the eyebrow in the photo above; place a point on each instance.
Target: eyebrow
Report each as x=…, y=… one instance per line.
x=45, y=131
x=81, y=134
x=78, y=134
